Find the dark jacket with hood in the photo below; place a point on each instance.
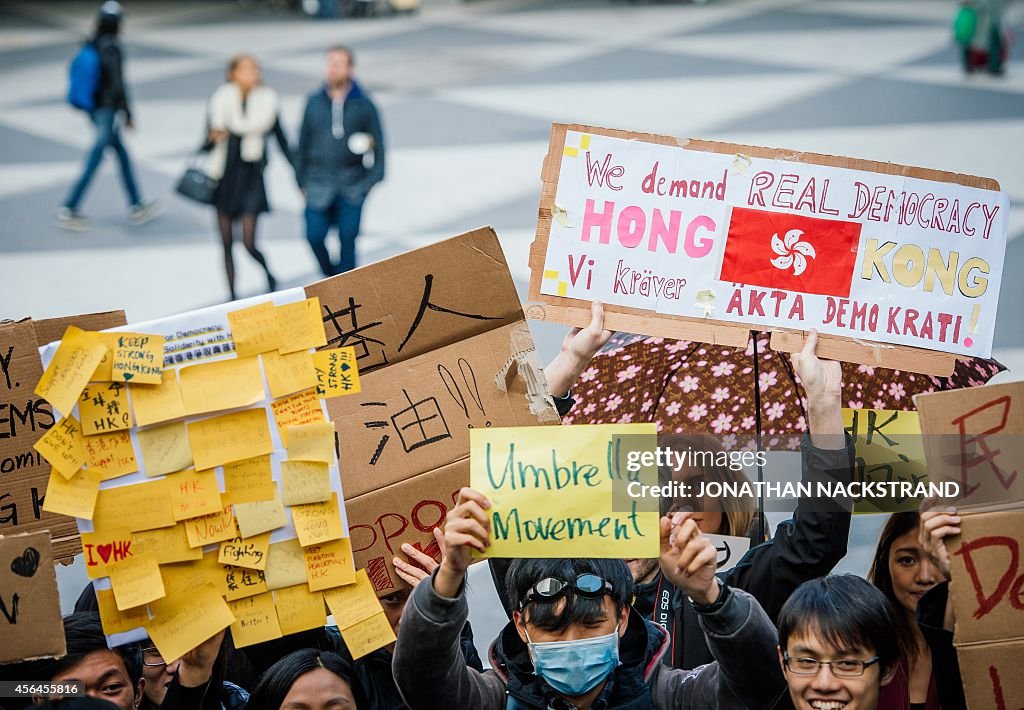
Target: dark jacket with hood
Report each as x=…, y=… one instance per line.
x=430, y=673
x=325, y=167
x=111, y=92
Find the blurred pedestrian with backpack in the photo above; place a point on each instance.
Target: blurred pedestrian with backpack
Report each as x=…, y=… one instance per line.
x=97, y=87
x=978, y=28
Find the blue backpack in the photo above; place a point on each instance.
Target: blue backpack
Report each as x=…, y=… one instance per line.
x=84, y=77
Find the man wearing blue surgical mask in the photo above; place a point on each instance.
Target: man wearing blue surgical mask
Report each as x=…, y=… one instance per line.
x=574, y=641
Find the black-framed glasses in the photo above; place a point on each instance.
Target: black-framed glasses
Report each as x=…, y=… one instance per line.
x=551, y=588
x=151, y=657
x=843, y=668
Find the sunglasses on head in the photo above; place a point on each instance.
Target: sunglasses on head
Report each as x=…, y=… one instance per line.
x=549, y=589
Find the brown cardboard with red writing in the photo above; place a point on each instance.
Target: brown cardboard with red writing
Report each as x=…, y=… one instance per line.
x=987, y=587
x=992, y=675
x=975, y=437
x=30, y=622
x=24, y=418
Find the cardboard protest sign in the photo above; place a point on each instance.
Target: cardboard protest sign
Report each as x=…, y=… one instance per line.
x=24, y=419
x=30, y=622
x=988, y=577
x=435, y=361
x=730, y=550
x=991, y=675
x=553, y=491
x=975, y=437
x=688, y=239
x=889, y=447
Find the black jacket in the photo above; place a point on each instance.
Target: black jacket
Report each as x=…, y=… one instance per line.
x=931, y=613
x=111, y=92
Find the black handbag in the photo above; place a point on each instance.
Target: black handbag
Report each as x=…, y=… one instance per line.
x=196, y=184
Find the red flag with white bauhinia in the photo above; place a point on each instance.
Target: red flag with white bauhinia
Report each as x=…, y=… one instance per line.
x=791, y=252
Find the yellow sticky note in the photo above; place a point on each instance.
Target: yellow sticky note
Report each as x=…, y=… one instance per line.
x=139, y=506
x=212, y=528
x=77, y=357
x=138, y=357
x=329, y=565
x=369, y=635
x=63, y=446
x=255, y=620
x=287, y=374
x=115, y=621
x=286, y=564
x=103, y=407
x=311, y=442
x=75, y=497
x=248, y=480
x=301, y=326
x=254, y=329
x=298, y=609
x=111, y=454
x=224, y=384
x=318, y=523
x=182, y=622
x=105, y=547
x=300, y=408
x=104, y=371
x=230, y=437
x=261, y=516
x=305, y=482
x=250, y=552
x=242, y=582
x=354, y=602
x=164, y=448
x=166, y=544
x=181, y=578
x=157, y=403
x=337, y=373
x=194, y=494
x=135, y=581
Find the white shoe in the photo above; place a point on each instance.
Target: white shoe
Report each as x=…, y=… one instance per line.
x=146, y=211
x=72, y=220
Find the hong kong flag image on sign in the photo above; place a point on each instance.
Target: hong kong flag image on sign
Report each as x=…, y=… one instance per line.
x=791, y=252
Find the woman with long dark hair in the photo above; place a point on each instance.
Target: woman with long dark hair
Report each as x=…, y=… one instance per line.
x=309, y=678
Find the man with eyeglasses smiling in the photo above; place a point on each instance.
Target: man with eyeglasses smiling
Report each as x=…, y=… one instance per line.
x=836, y=644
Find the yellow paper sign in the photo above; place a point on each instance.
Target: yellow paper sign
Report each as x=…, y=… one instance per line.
x=255, y=329
x=286, y=564
x=248, y=481
x=104, y=371
x=552, y=494
x=300, y=408
x=255, y=620
x=105, y=547
x=166, y=544
x=164, y=448
x=75, y=497
x=135, y=581
x=77, y=357
x=261, y=516
x=301, y=326
x=183, y=577
x=115, y=621
x=157, y=403
x=337, y=373
x=182, y=622
x=224, y=384
x=194, y=494
x=298, y=609
x=230, y=437
x=243, y=582
x=63, y=446
x=305, y=482
x=103, y=408
x=329, y=565
x=138, y=357
x=139, y=506
x=212, y=528
x=353, y=602
x=111, y=454
x=251, y=553
x=889, y=447
x=318, y=523
x=311, y=442
x=369, y=635
x=287, y=374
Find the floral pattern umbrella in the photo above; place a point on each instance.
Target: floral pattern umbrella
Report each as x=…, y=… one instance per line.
x=687, y=386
